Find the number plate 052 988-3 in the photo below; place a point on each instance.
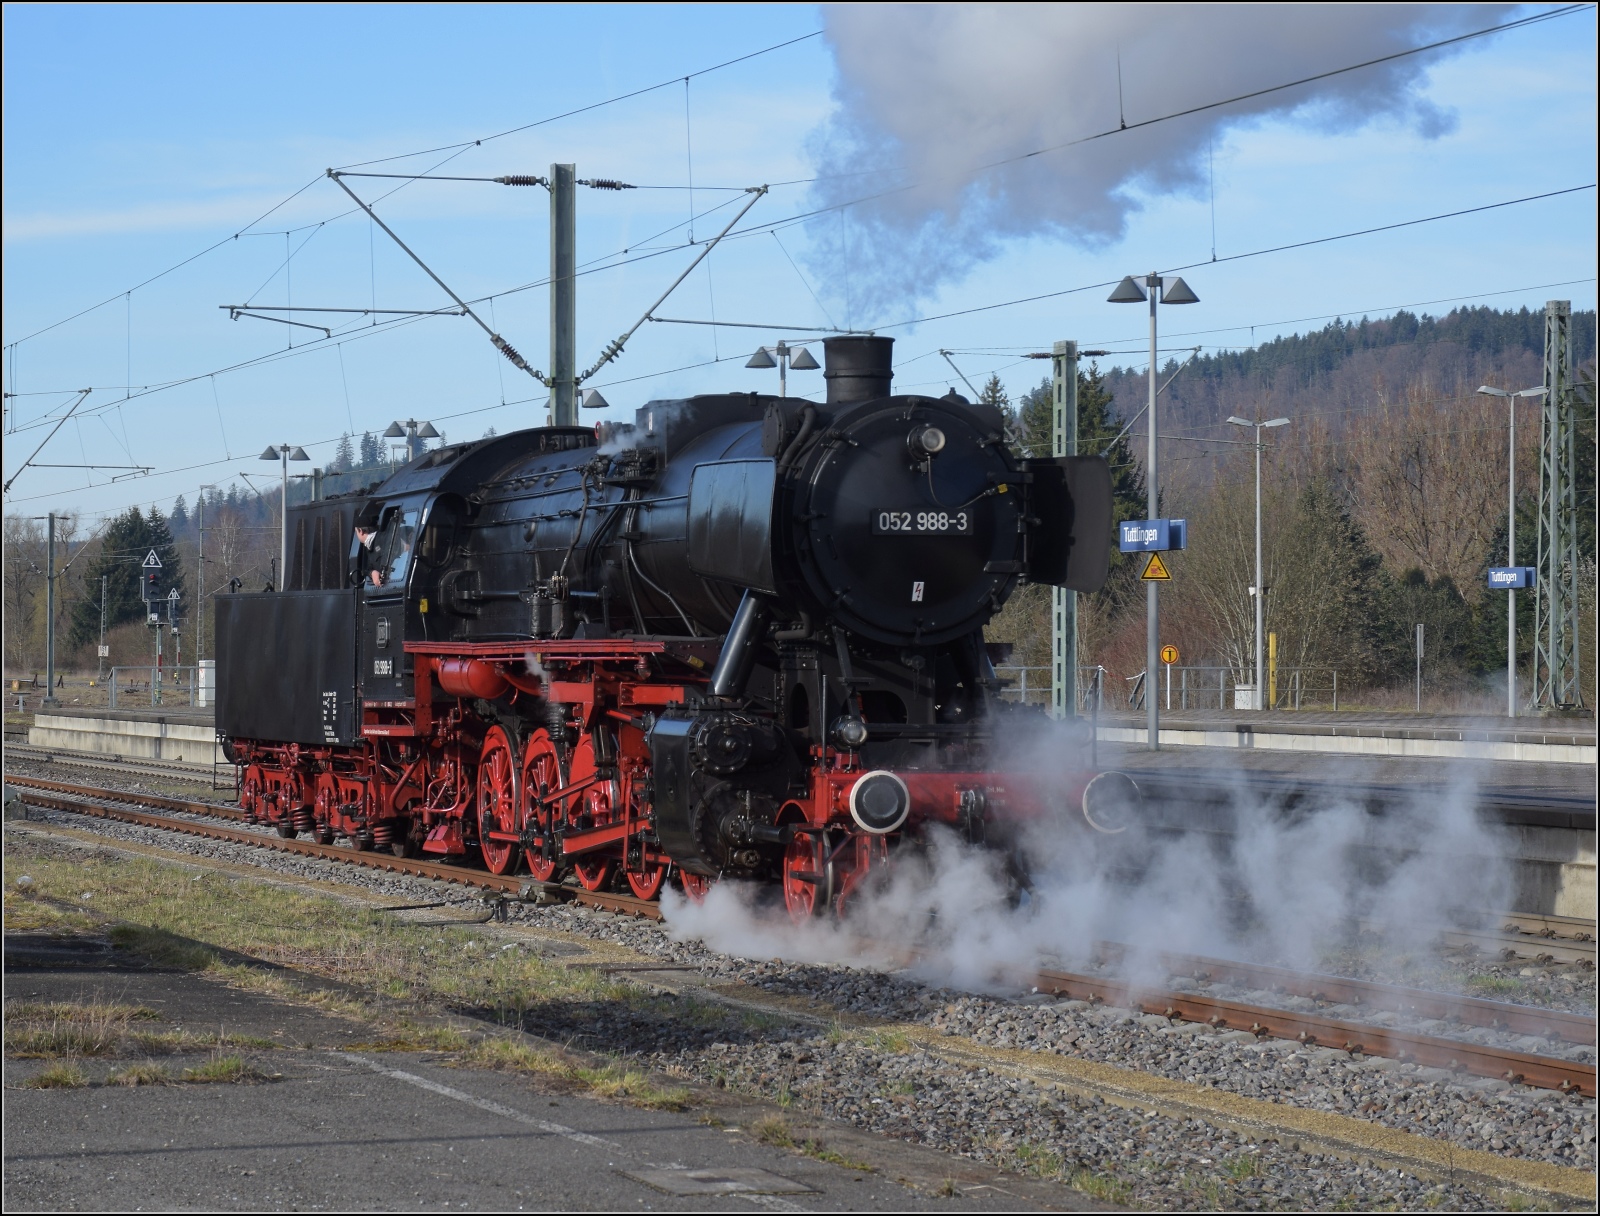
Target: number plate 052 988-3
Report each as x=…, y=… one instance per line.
x=887, y=521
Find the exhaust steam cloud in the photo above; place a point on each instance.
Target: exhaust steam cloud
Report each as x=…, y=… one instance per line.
x=927, y=95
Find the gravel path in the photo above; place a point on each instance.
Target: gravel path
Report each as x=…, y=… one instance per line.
x=889, y=1086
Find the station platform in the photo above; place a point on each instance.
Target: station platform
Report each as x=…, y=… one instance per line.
x=181, y=733
x=1356, y=733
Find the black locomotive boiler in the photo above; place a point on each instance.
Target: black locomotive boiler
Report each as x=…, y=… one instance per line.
x=741, y=636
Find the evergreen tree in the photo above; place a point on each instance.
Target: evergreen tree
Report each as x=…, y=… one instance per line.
x=123, y=548
x=179, y=517
x=344, y=456
x=371, y=451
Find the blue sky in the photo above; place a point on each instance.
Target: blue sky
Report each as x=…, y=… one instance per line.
x=135, y=137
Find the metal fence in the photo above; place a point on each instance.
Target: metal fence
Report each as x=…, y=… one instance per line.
x=1031, y=686
x=1209, y=688
x=1181, y=688
x=138, y=687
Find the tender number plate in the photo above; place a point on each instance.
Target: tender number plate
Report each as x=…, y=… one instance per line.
x=889, y=522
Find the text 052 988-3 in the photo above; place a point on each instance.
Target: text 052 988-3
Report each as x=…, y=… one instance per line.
x=889, y=522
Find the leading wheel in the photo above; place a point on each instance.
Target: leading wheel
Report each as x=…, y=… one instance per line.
x=498, y=821
x=541, y=777
x=807, y=876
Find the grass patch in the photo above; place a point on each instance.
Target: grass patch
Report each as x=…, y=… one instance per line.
x=440, y=1038
x=51, y=1030
x=1495, y=984
x=773, y=1130
x=1241, y=1167
x=140, y=1074
x=226, y=1070
x=64, y=1011
x=159, y=903
x=633, y=1086
x=65, y=1075
x=1106, y=1187
x=777, y=1131
x=896, y=1041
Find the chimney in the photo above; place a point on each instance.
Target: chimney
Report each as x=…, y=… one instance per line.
x=858, y=368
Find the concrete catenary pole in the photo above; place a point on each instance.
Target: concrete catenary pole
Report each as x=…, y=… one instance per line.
x=1064, y=607
x=1152, y=602
x=563, y=295
x=50, y=612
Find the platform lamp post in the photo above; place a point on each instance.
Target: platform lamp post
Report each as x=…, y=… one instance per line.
x=783, y=357
x=200, y=572
x=1258, y=590
x=1511, y=534
x=1171, y=290
x=413, y=432
x=285, y=453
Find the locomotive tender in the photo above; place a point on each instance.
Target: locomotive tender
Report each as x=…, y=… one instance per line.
x=742, y=636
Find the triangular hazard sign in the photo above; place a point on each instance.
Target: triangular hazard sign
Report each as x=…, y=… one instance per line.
x=1156, y=569
x=151, y=561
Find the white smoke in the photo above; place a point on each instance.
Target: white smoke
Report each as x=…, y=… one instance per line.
x=1269, y=886
x=928, y=95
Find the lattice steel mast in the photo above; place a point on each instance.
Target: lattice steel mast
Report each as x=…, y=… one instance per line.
x=1556, y=653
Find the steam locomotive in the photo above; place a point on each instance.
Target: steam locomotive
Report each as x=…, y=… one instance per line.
x=741, y=636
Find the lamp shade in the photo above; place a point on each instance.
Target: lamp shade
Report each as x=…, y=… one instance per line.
x=298, y=454
x=762, y=358
x=395, y=431
x=1127, y=292
x=803, y=360
x=426, y=431
x=592, y=400
x=270, y=454
x=1176, y=291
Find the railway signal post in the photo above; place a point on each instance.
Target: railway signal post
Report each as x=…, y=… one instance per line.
x=1173, y=290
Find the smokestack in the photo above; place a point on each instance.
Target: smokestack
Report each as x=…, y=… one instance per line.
x=857, y=368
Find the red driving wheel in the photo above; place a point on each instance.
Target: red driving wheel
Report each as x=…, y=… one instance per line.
x=594, y=807
x=695, y=886
x=807, y=878
x=646, y=883
x=498, y=828
x=541, y=777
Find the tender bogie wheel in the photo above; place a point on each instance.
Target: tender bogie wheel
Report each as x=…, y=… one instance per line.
x=250, y=791
x=807, y=880
x=285, y=828
x=646, y=883
x=541, y=777
x=498, y=802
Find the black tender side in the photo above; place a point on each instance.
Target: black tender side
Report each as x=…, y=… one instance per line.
x=286, y=666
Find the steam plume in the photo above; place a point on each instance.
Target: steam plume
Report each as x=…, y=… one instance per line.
x=928, y=94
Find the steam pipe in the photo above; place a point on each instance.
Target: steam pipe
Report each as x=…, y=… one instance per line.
x=739, y=649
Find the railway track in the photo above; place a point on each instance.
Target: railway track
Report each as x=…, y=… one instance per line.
x=1309, y=1027
x=176, y=769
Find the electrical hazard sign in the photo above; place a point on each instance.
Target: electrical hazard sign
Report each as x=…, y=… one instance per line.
x=1155, y=570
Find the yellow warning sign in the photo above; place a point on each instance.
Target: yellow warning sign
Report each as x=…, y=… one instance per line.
x=1156, y=569
x=1169, y=655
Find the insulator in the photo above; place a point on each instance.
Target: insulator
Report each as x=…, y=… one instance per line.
x=521, y=179
x=606, y=183
x=510, y=352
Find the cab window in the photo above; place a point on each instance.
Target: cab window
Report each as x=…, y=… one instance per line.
x=387, y=560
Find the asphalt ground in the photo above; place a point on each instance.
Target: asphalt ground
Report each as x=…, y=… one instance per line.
x=337, y=1127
